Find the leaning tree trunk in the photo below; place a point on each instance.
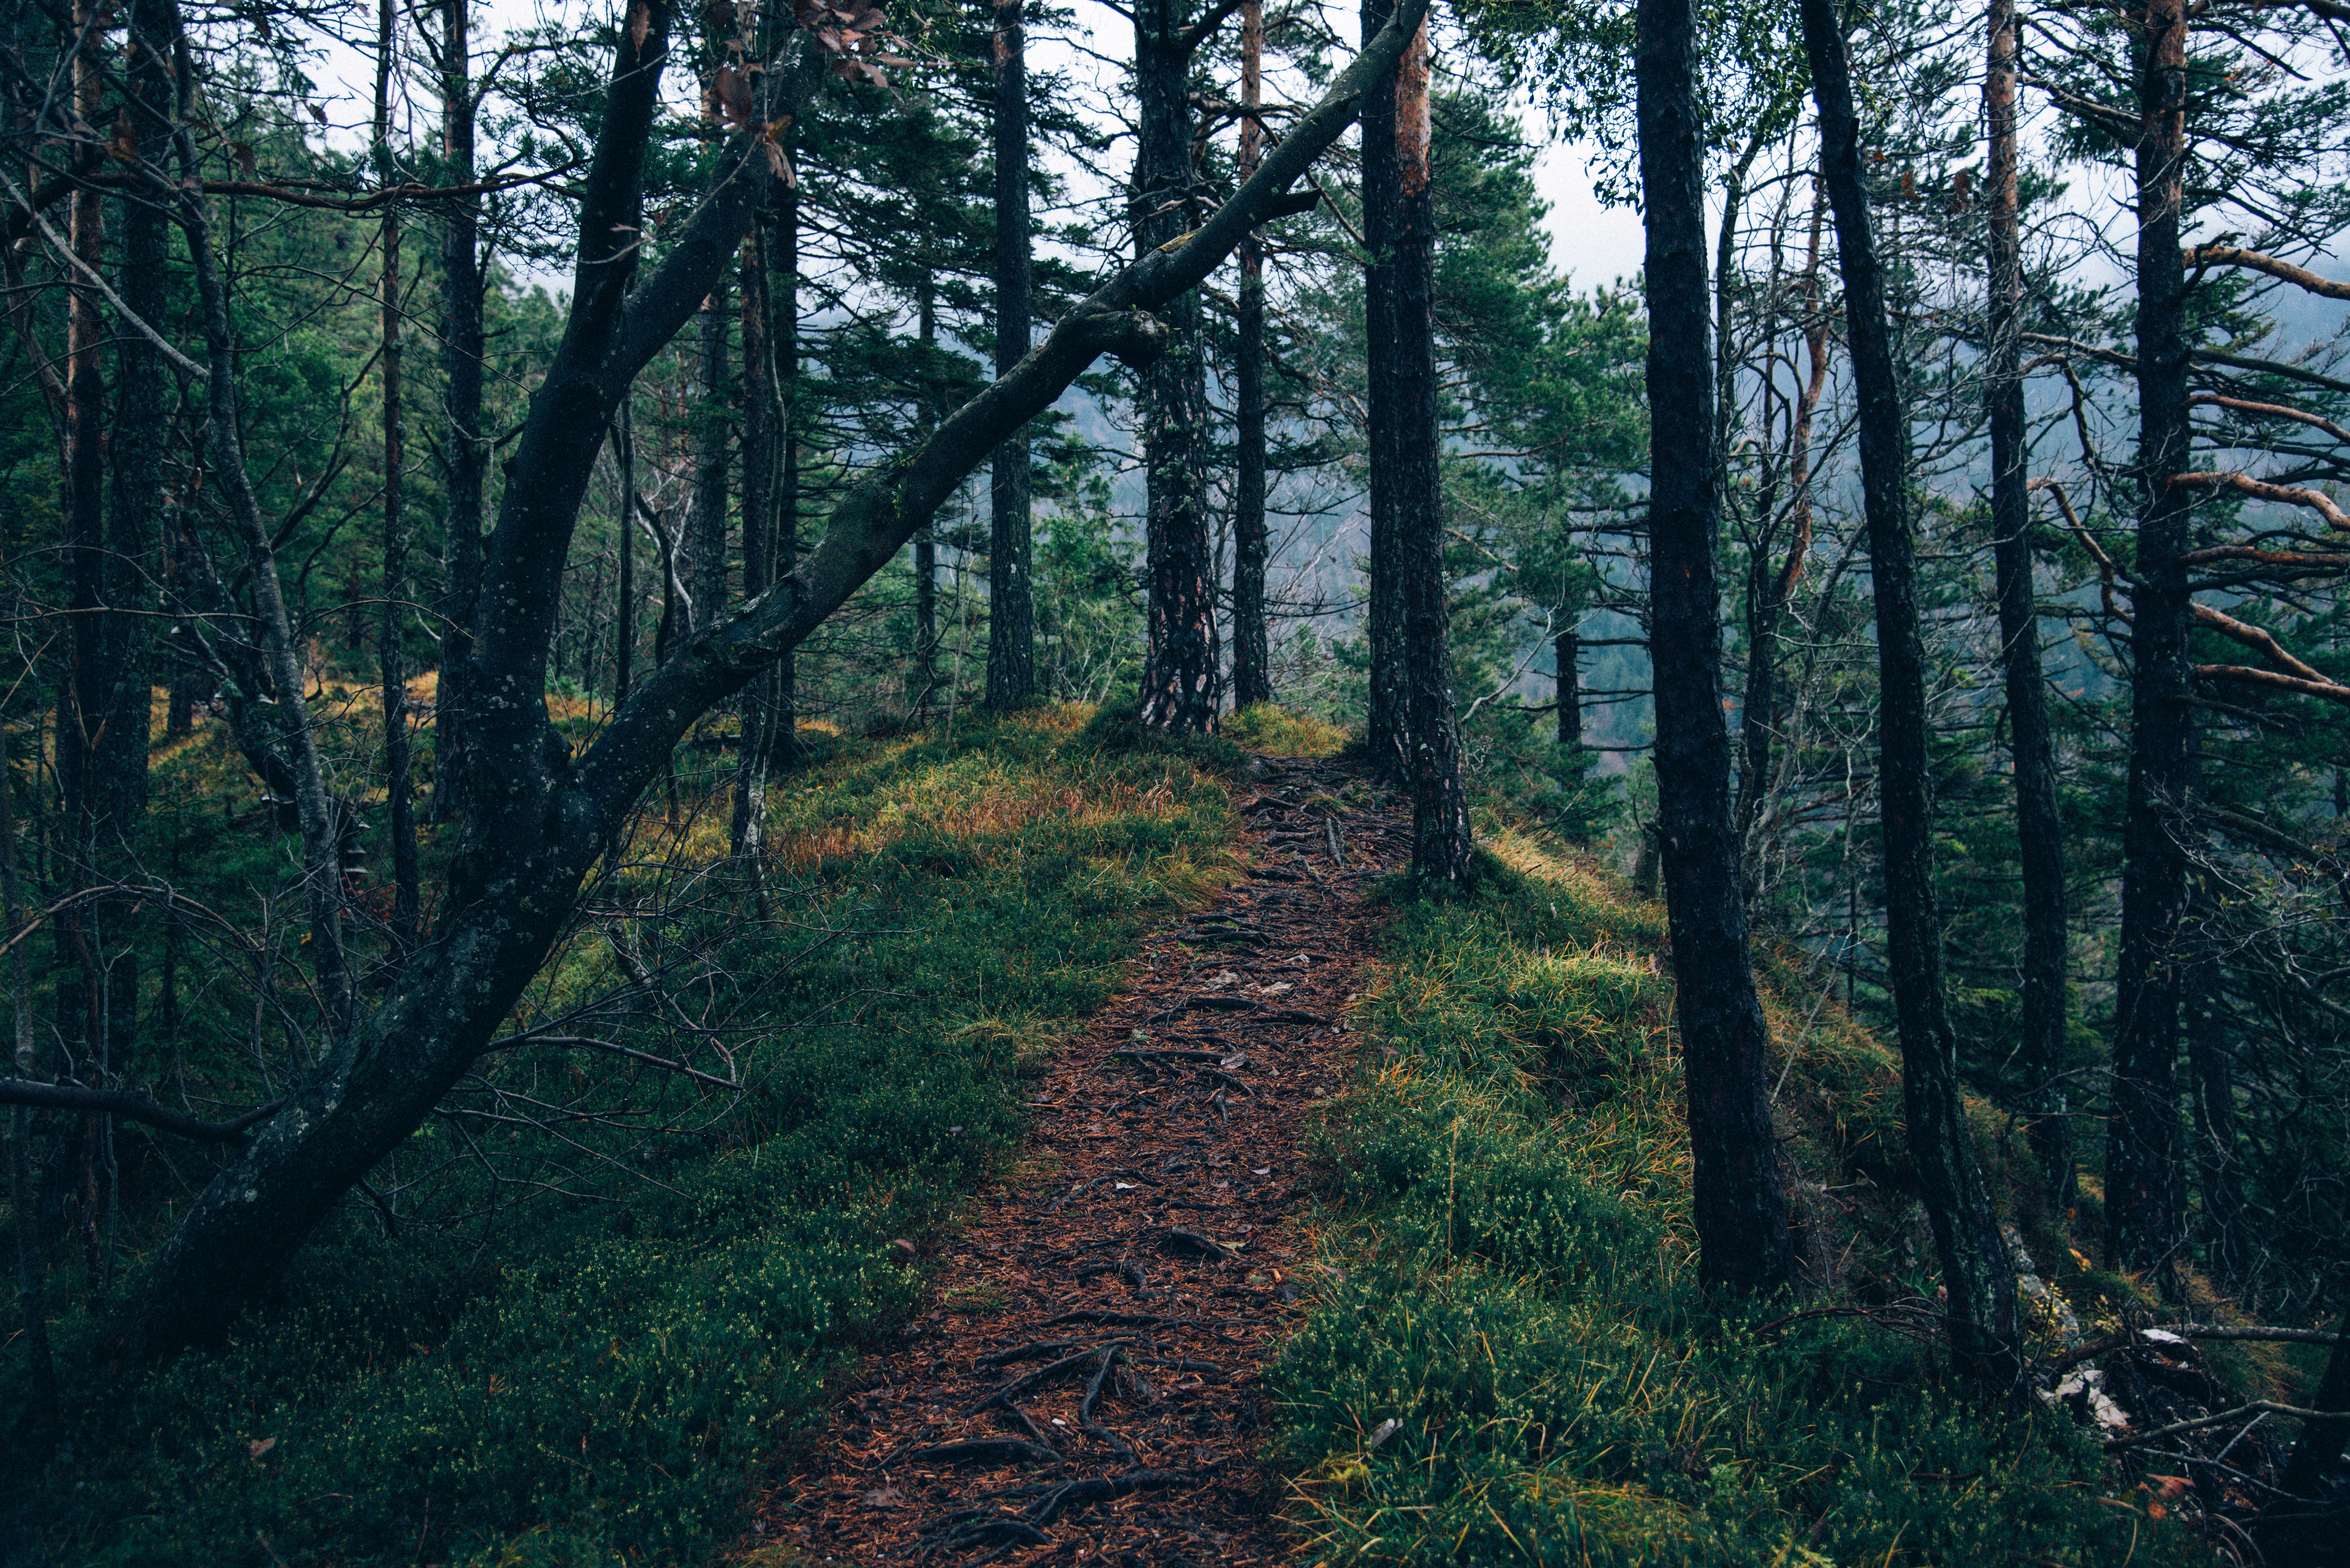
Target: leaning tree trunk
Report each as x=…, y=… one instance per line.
x=1976, y=1270
x=1386, y=720
x=1178, y=673
x=1740, y=1197
x=2040, y=832
x=464, y=445
x=540, y=816
x=2144, y=1206
x=1415, y=490
x=1251, y=651
x=1010, y=603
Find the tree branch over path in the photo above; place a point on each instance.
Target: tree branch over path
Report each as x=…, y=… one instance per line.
x=538, y=821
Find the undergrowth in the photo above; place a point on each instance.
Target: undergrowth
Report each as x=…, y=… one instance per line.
x=1510, y=1358
x=595, y=1382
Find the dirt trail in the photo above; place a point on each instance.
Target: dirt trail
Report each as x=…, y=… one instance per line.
x=1085, y=1385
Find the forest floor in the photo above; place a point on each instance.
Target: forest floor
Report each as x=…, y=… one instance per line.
x=1085, y=1383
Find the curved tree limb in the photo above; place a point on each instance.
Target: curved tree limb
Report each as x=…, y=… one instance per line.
x=2260, y=490
x=130, y=1107
x=2253, y=260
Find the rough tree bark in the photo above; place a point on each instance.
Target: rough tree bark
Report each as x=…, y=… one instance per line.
x=2039, y=831
x=1414, y=488
x=1010, y=603
x=1566, y=650
x=464, y=444
x=624, y=617
x=540, y=817
x=1385, y=720
x=390, y=654
x=2144, y=1206
x=1178, y=673
x=926, y=539
x=1741, y=1199
x=752, y=753
x=1251, y=652
x=712, y=436
x=784, y=293
x=1976, y=1270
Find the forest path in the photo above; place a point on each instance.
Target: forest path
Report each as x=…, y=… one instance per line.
x=1084, y=1387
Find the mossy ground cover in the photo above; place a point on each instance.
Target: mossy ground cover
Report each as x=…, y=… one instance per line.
x=1511, y=1359
x=597, y=1382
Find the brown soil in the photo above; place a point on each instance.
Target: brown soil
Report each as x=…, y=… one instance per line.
x=1085, y=1385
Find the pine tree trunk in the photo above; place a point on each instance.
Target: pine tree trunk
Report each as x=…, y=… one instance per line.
x=1011, y=602
x=751, y=755
x=465, y=449
x=2040, y=833
x=706, y=535
x=390, y=654
x=2228, y=1250
x=1976, y=1270
x=31, y=1266
x=926, y=542
x=1386, y=720
x=1741, y=1200
x=1566, y=650
x=1179, y=675
x=784, y=297
x=624, y=630
x=2306, y=1474
x=1440, y=806
x=2144, y=1204
x=1251, y=651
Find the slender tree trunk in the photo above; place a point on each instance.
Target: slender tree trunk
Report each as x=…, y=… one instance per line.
x=624, y=631
x=464, y=444
x=1179, y=675
x=295, y=740
x=1386, y=720
x=1251, y=652
x=1567, y=647
x=706, y=534
x=390, y=652
x=2144, y=1205
x=783, y=736
x=1011, y=601
x=89, y=696
x=2039, y=831
x=1769, y=590
x=1440, y=806
x=749, y=826
x=1976, y=1269
x=926, y=543
x=1741, y=1200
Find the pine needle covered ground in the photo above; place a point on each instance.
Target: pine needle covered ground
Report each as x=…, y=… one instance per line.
x=593, y=1377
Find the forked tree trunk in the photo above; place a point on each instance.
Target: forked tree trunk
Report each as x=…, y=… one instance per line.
x=1178, y=673
x=2144, y=1207
x=2040, y=833
x=540, y=817
x=1976, y=1269
x=1740, y=1192
x=1011, y=602
x=1251, y=652
x=464, y=444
